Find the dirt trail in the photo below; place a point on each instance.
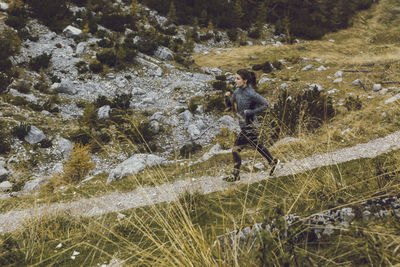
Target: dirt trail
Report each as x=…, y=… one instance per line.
x=116, y=202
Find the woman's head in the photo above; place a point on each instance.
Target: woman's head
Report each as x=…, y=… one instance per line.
x=244, y=77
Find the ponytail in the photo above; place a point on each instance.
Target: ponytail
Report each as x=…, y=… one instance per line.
x=249, y=76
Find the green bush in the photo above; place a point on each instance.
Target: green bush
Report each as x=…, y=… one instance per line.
x=148, y=42
x=95, y=66
x=10, y=44
x=22, y=87
x=232, y=34
x=189, y=149
x=219, y=85
x=102, y=101
x=115, y=21
x=277, y=65
x=40, y=62
x=107, y=56
x=5, y=80
x=53, y=13
x=214, y=103
x=220, y=78
x=5, y=146
x=309, y=110
x=122, y=101
x=81, y=67
x=266, y=67
x=21, y=130
x=105, y=43
x=352, y=103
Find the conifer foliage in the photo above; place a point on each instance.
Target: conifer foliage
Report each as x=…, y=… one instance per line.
x=302, y=18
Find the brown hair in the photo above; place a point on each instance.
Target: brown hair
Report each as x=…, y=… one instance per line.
x=249, y=76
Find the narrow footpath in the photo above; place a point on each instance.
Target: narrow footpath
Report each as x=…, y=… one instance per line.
x=117, y=202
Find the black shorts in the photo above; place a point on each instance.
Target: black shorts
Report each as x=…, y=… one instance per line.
x=247, y=135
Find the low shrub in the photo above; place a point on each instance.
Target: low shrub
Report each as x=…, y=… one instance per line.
x=22, y=86
x=21, y=130
x=306, y=110
x=102, y=101
x=105, y=43
x=189, y=149
x=214, y=103
x=219, y=85
x=53, y=13
x=220, y=78
x=78, y=166
x=122, y=101
x=148, y=42
x=266, y=67
x=232, y=34
x=107, y=56
x=352, y=103
x=277, y=65
x=95, y=66
x=5, y=146
x=40, y=62
x=81, y=135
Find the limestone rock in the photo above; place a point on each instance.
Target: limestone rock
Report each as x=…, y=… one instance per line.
x=35, y=135
x=164, y=53
x=104, y=112
x=133, y=165
x=71, y=31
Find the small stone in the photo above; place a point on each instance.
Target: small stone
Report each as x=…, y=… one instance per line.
x=308, y=67
x=376, y=87
x=5, y=186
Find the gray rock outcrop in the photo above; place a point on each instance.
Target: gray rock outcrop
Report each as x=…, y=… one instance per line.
x=71, y=31
x=35, y=135
x=164, y=53
x=104, y=112
x=133, y=165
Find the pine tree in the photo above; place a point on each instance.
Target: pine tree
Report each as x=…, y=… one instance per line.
x=172, y=18
x=203, y=19
x=237, y=14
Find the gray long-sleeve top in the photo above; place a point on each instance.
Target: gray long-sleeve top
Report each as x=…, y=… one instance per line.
x=246, y=98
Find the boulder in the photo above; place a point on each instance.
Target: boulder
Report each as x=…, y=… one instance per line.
x=193, y=131
x=71, y=31
x=338, y=74
x=3, y=6
x=64, y=146
x=133, y=165
x=186, y=116
x=164, y=53
x=376, y=87
x=357, y=82
x=104, y=112
x=265, y=80
x=228, y=122
x=65, y=87
x=35, y=135
x=338, y=80
x=308, y=67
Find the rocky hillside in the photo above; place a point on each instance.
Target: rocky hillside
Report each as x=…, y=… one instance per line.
x=121, y=92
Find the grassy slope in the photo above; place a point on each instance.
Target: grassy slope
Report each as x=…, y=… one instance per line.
x=182, y=233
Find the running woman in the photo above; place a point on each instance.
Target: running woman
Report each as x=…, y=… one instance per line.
x=248, y=103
